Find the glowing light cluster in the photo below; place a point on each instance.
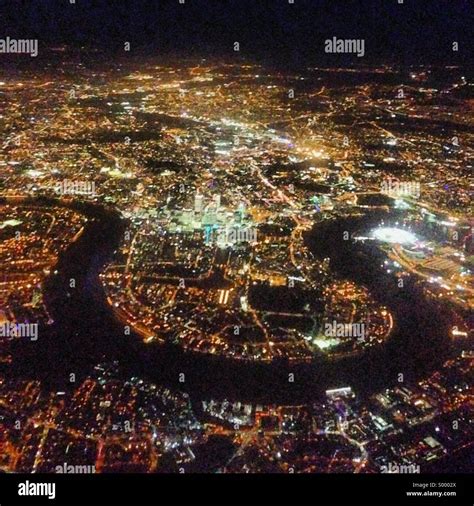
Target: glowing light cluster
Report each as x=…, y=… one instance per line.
x=394, y=235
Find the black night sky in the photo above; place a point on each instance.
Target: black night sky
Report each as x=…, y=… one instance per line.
x=416, y=31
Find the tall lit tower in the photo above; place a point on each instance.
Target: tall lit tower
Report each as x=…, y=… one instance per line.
x=198, y=203
x=242, y=211
x=217, y=201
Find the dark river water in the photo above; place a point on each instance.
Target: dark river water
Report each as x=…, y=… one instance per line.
x=86, y=332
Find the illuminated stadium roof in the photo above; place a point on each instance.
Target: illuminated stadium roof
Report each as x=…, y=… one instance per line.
x=394, y=235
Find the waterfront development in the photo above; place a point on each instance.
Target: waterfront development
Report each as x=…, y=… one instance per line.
x=230, y=267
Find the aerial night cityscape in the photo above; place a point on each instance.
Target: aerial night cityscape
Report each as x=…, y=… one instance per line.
x=236, y=238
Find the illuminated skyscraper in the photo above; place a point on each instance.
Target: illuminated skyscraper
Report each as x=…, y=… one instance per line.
x=242, y=210
x=198, y=203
